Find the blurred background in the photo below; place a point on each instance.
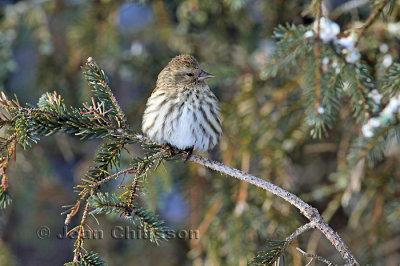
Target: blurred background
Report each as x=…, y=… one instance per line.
x=44, y=43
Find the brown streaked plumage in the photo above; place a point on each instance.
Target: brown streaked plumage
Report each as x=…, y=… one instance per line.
x=182, y=111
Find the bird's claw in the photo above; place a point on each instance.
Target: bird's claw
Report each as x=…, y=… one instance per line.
x=189, y=152
x=171, y=150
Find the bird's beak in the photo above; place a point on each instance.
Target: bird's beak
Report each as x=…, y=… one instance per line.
x=205, y=75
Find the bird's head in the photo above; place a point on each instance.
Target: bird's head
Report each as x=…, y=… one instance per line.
x=183, y=70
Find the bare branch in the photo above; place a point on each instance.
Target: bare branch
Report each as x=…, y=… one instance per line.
x=371, y=19
x=298, y=232
x=312, y=214
x=312, y=256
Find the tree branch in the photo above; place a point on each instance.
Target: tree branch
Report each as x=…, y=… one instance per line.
x=298, y=232
x=312, y=214
x=317, y=50
x=312, y=256
x=81, y=235
x=370, y=20
x=126, y=171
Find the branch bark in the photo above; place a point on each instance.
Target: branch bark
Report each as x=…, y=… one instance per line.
x=312, y=256
x=311, y=213
x=374, y=14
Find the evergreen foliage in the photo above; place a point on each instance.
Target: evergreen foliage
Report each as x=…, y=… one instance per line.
x=390, y=83
x=274, y=250
x=5, y=198
x=104, y=203
x=316, y=112
x=296, y=50
x=90, y=259
x=104, y=119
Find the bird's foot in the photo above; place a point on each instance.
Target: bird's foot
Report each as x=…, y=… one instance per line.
x=171, y=150
x=189, y=152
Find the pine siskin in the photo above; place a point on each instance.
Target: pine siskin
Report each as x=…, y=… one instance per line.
x=182, y=111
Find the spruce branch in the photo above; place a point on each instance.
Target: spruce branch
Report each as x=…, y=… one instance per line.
x=11, y=139
x=81, y=233
x=268, y=257
x=101, y=89
x=98, y=112
x=104, y=203
x=73, y=210
x=151, y=224
x=7, y=151
x=391, y=81
x=312, y=214
x=363, y=97
x=330, y=70
x=106, y=158
x=110, y=177
x=32, y=111
x=133, y=190
x=92, y=259
x=277, y=247
x=52, y=117
x=291, y=48
x=133, y=169
x=373, y=148
x=89, y=259
x=5, y=198
x=361, y=84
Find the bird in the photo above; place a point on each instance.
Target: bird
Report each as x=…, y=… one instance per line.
x=182, y=111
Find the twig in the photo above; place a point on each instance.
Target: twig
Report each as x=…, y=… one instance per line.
x=312, y=214
x=12, y=138
x=31, y=111
x=5, y=122
x=346, y=7
x=133, y=193
x=370, y=20
x=108, y=178
x=98, y=113
x=317, y=49
x=312, y=256
x=131, y=169
x=298, y=232
x=81, y=234
x=364, y=98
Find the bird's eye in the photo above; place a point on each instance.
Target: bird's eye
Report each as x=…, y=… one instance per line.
x=190, y=74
